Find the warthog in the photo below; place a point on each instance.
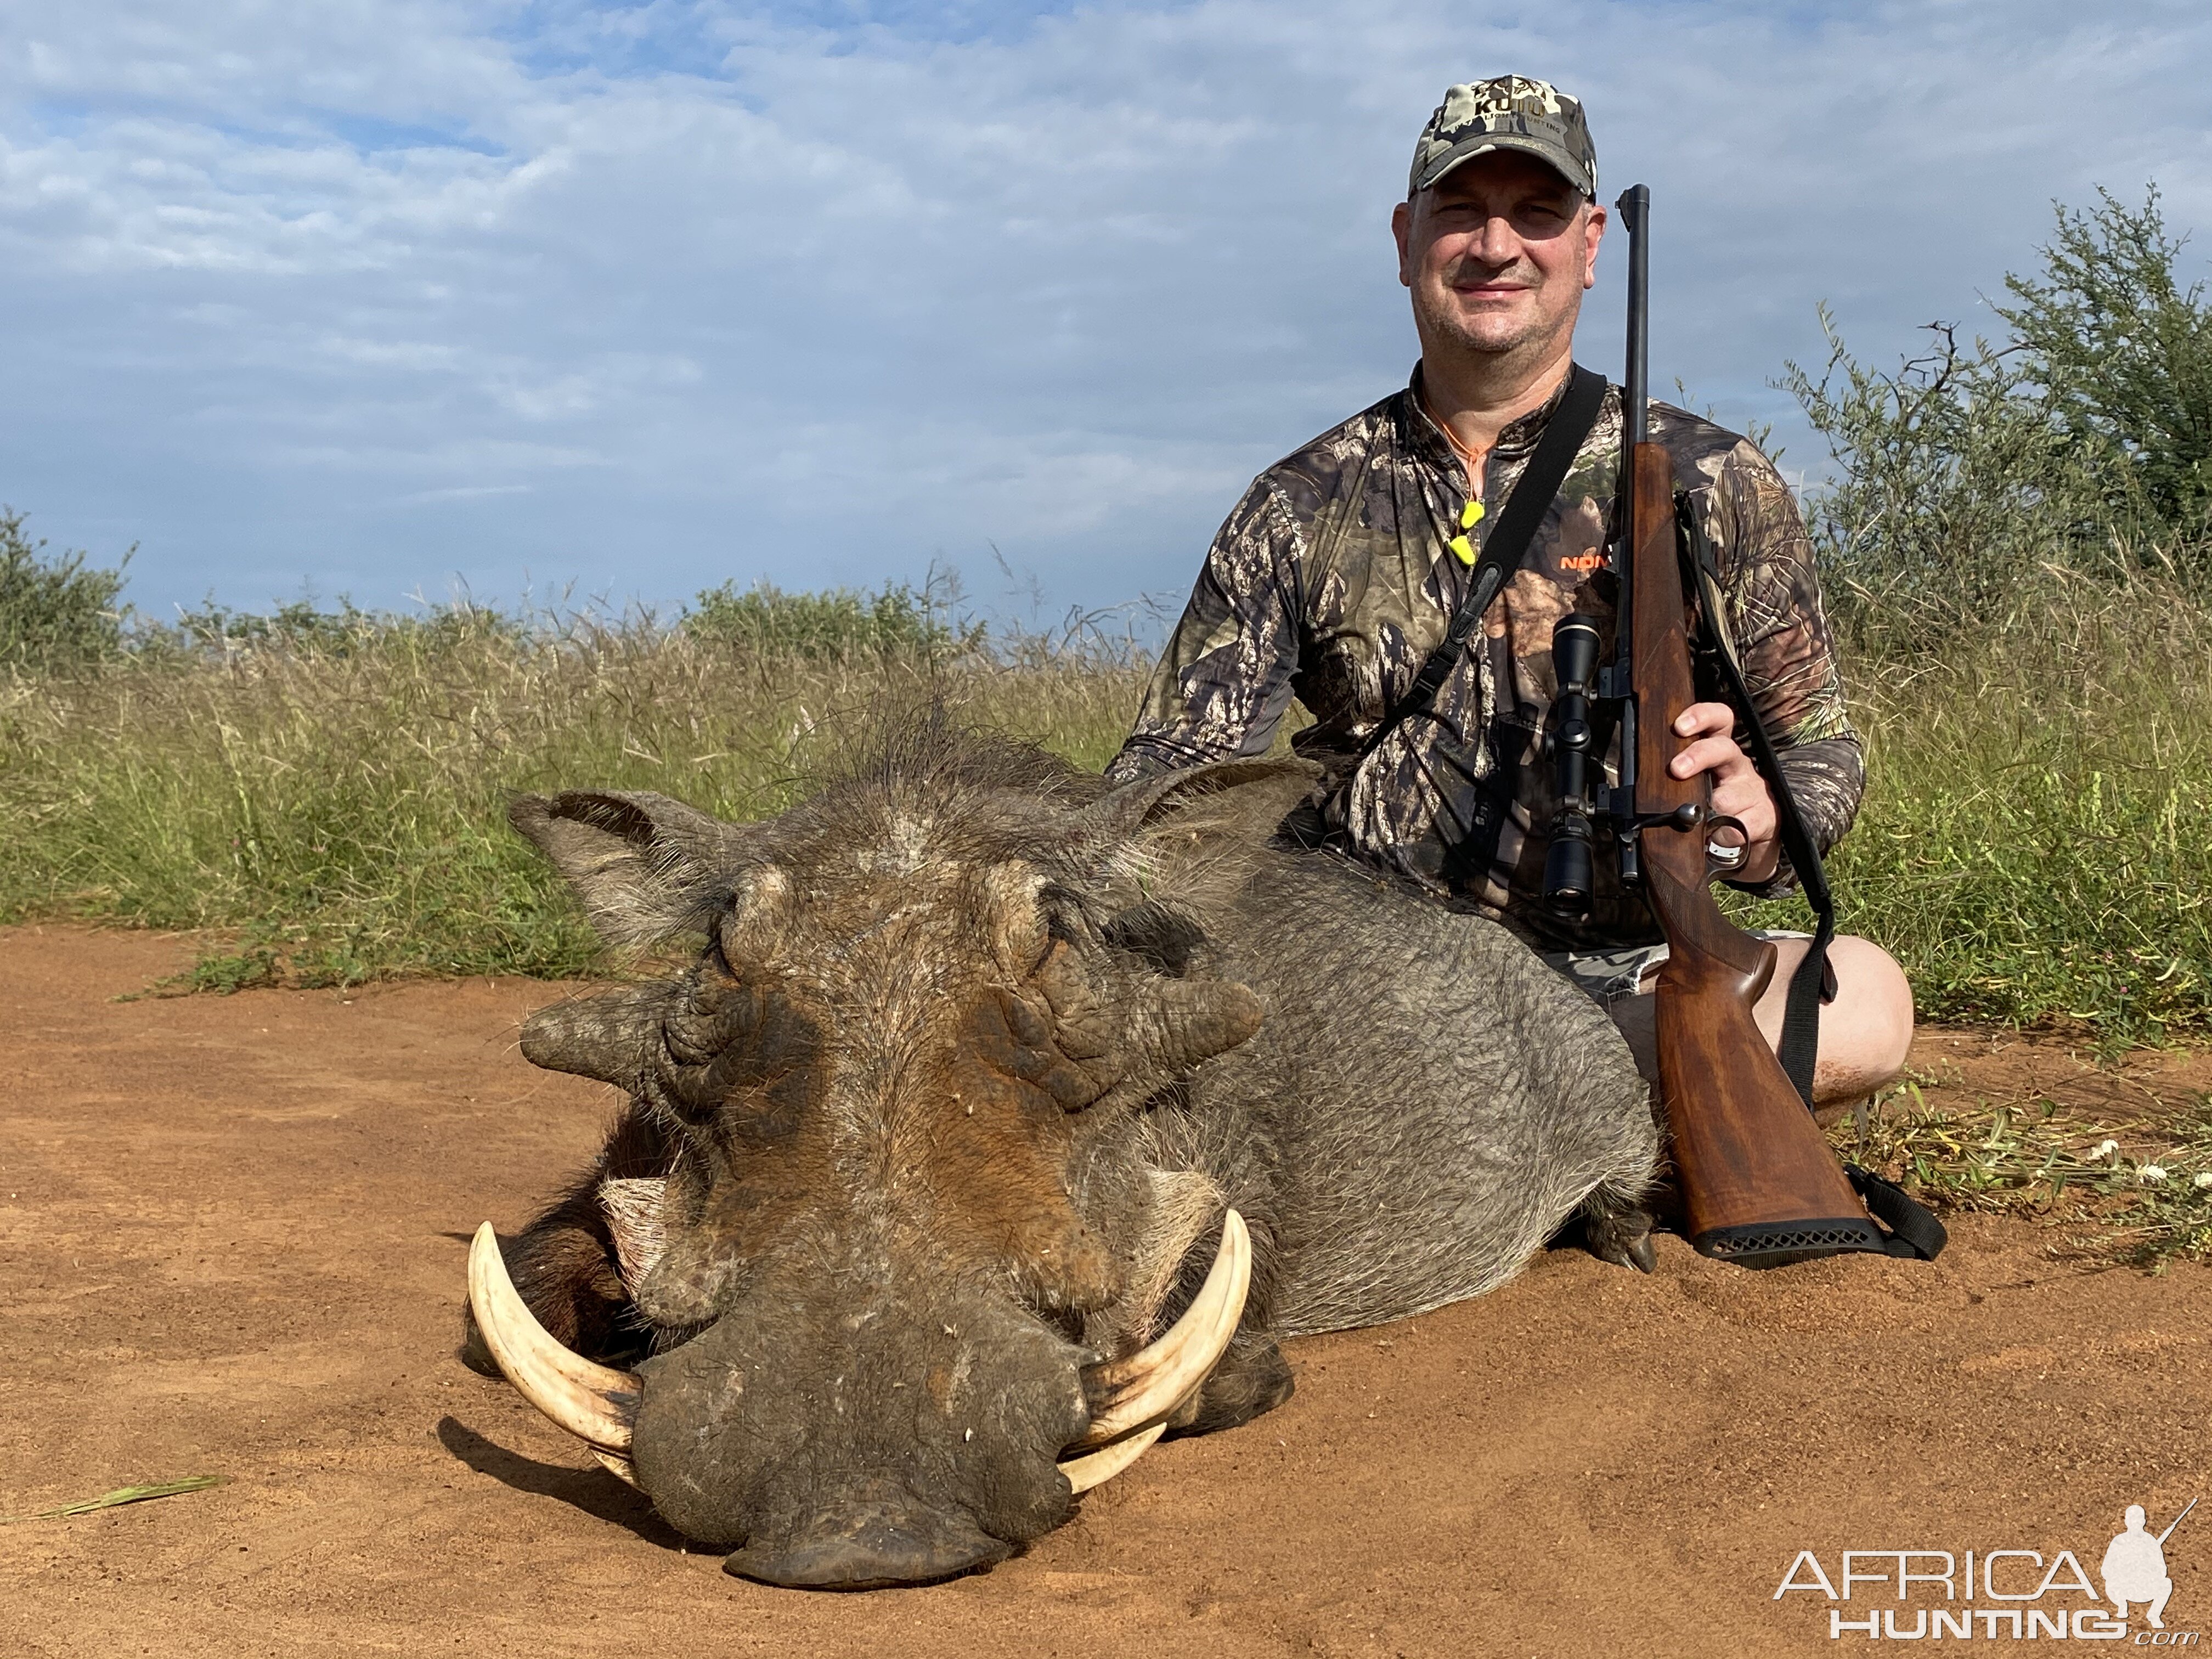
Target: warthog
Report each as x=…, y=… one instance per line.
x=1003, y=1120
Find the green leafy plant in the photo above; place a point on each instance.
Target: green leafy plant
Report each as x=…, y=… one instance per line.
x=55, y=613
x=2121, y=355
x=2014, y=557
x=1977, y=484
x=835, y=622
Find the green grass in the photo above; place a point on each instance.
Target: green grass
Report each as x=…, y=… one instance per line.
x=2036, y=844
x=2140, y=1193
x=334, y=810
x=2033, y=848
x=123, y=1495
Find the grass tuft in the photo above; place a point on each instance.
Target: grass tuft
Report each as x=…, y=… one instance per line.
x=2142, y=1190
x=2034, y=844
x=122, y=1495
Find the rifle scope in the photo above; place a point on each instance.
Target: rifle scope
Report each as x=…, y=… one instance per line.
x=1567, y=877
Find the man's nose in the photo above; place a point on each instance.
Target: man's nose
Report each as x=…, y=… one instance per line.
x=1496, y=242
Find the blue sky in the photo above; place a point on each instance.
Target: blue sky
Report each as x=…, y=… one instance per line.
x=366, y=297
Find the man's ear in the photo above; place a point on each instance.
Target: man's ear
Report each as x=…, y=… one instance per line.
x=1402, y=228
x=1595, y=232
x=644, y=865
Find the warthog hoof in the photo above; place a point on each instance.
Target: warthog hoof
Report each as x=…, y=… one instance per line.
x=1252, y=1377
x=1616, y=1232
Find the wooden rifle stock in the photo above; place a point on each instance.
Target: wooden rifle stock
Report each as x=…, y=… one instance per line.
x=1759, y=1185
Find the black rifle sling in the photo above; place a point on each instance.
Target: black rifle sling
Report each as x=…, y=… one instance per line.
x=1508, y=539
x=1912, y=1230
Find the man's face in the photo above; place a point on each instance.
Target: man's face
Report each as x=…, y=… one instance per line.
x=1498, y=254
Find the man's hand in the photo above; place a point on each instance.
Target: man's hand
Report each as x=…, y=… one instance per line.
x=1739, y=791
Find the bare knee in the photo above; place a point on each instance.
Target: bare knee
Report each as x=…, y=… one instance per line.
x=1867, y=1032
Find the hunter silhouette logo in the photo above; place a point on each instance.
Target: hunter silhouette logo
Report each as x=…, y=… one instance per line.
x=2134, y=1566
x=1989, y=1594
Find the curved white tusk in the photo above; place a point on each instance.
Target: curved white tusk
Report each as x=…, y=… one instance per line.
x=1143, y=1388
x=596, y=1403
x=1096, y=1468
x=618, y=1465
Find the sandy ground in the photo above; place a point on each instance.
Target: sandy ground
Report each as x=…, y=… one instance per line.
x=232, y=1232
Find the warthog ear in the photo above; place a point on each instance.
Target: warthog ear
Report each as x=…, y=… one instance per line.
x=644, y=865
x=1251, y=794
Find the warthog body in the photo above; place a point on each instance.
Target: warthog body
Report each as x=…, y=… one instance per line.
x=951, y=1103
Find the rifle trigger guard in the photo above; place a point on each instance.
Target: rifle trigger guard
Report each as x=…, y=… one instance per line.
x=1722, y=856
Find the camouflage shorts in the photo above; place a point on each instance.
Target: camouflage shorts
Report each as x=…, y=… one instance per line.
x=1606, y=977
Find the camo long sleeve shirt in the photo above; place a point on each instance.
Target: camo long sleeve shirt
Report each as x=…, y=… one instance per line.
x=1332, y=581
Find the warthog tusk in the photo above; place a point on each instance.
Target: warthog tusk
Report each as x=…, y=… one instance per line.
x=594, y=1402
x=1096, y=1468
x=1129, y=1393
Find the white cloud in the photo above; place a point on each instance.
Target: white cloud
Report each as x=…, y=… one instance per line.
x=659, y=294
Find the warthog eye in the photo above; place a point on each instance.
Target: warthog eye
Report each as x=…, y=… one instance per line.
x=741, y=1052
x=691, y=1043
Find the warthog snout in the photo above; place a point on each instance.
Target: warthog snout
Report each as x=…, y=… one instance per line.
x=929, y=1433
x=872, y=1541
x=838, y=1437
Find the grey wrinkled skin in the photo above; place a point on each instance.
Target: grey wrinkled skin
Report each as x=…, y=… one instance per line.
x=1434, y=1132
x=948, y=1106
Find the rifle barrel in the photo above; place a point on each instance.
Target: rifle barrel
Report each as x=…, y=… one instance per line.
x=2178, y=1520
x=1635, y=210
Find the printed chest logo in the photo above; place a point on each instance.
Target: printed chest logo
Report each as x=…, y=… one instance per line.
x=2028, y=1597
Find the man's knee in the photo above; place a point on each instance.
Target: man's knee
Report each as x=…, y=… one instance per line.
x=1881, y=1007
x=1865, y=1033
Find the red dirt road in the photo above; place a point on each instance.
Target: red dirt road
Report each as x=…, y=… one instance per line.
x=232, y=1232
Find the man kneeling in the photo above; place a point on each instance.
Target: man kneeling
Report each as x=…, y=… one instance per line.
x=1342, y=565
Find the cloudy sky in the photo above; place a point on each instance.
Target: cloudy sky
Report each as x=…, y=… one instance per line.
x=366, y=297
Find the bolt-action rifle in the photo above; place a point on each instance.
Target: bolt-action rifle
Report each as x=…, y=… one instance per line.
x=1758, y=1183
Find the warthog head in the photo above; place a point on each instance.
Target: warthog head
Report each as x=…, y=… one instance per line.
x=905, y=1274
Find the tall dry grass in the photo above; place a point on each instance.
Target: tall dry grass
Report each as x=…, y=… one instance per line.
x=336, y=802
x=2036, y=842
x=2033, y=845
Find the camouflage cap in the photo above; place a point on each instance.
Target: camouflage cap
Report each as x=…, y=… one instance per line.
x=1507, y=112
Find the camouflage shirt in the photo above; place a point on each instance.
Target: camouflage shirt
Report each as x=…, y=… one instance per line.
x=1332, y=581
